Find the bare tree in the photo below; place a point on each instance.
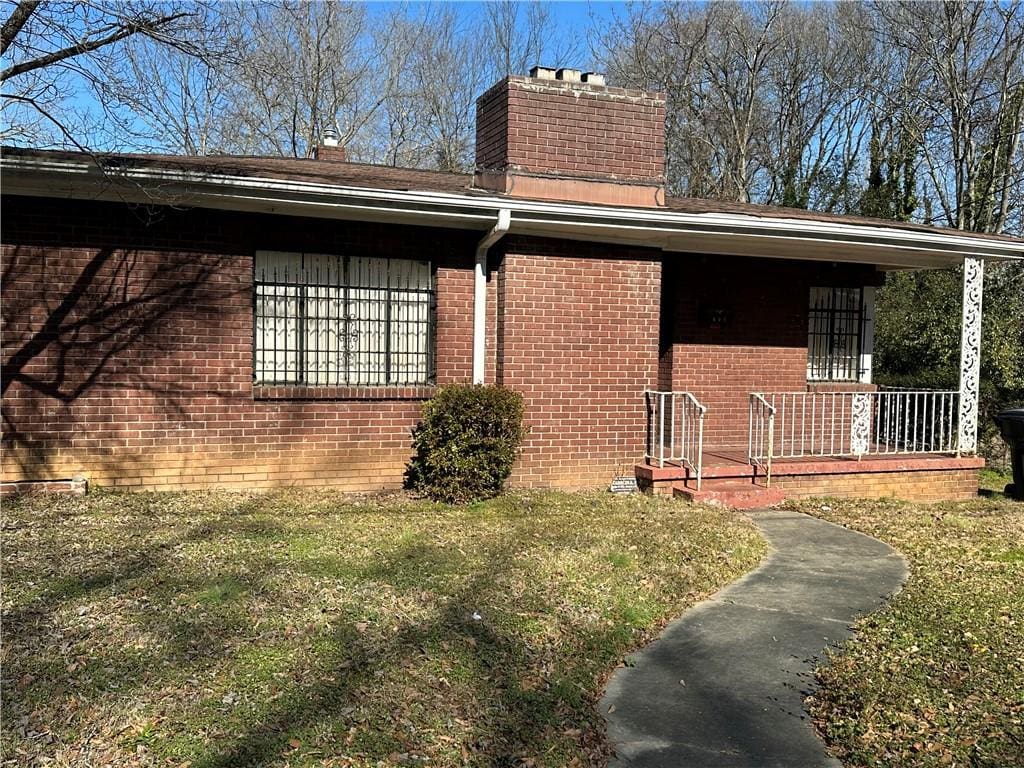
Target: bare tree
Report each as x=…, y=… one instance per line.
x=961, y=81
x=439, y=60
x=395, y=136
x=397, y=84
x=520, y=35
x=433, y=74
x=902, y=109
x=810, y=144
x=304, y=67
x=179, y=98
x=59, y=48
x=447, y=74
x=712, y=61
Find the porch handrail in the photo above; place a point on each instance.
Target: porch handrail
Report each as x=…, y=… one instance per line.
x=853, y=423
x=761, y=434
x=683, y=416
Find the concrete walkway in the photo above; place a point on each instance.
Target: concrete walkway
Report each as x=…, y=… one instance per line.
x=724, y=685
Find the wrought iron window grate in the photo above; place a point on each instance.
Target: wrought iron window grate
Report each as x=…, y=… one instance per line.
x=835, y=334
x=326, y=320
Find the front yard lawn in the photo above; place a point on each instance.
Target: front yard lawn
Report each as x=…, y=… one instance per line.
x=308, y=628
x=937, y=677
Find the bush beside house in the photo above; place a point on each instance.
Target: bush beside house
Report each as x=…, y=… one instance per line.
x=466, y=443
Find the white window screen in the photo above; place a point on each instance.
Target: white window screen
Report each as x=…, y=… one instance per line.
x=835, y=334
x=336, y=320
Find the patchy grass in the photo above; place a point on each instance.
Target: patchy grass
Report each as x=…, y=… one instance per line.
x=937, y=677
x=991, y=481
x=308, y=628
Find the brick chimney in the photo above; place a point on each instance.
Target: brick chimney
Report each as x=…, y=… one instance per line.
x=564, y=135
x=329, y=148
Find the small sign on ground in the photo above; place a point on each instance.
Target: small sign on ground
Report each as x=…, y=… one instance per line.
x=624, y=484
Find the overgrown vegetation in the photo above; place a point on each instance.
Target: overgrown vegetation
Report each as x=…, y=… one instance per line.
x=918, y=339
x=937, y=677
x=311, y=629
x=904, y=110
x=466, y=442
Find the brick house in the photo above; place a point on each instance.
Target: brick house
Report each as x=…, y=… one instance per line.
x=193, y=322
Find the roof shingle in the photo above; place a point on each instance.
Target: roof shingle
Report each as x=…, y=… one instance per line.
x=410, y=179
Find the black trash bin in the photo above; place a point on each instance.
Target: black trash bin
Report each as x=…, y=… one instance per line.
x=1011, y=425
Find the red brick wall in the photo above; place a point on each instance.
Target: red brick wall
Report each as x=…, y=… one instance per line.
x=578, y=337
x=573, y=129
x=760, y=346
x=128, y=350
x=920, y=485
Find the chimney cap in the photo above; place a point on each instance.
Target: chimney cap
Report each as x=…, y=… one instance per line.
x=330, y=137
x=566, y=74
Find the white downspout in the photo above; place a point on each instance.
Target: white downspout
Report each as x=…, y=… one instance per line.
x=480, y=293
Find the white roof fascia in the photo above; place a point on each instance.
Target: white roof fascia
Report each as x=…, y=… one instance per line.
x=666, y=229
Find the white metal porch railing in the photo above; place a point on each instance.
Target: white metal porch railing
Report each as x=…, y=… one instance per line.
x=835, y=424
x=761, y=434
x=675, y=430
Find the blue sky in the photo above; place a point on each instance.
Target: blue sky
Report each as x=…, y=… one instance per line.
x=579, y=16
x=573, y=20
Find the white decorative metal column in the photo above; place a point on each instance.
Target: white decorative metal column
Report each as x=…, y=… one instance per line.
x=860, y=423
x=970, y=354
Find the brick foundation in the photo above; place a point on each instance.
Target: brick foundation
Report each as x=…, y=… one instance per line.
x=913, y=478
x=69, y=487
x=919, y=485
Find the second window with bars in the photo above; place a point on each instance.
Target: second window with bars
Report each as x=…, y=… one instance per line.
x=835, y=334
x=328, y=320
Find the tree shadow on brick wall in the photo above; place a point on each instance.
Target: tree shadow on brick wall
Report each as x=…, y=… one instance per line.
x=99, y=326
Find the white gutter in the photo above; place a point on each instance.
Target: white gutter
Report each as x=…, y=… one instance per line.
x=658, y=228
x=497, y=232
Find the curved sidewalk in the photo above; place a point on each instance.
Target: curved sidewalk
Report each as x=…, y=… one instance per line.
x=724, y=685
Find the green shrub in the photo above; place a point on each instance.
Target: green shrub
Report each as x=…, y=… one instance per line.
x=466, y=443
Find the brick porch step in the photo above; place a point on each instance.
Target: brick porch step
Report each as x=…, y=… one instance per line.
x=735, y=495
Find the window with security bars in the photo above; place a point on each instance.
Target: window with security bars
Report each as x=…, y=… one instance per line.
x=324, y=320
x=835, y=334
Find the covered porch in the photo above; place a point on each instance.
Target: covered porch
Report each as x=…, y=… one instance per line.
x=847, y=437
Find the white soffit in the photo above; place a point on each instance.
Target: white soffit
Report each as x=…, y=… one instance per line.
x=665, y=229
